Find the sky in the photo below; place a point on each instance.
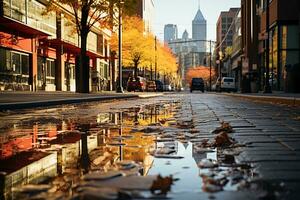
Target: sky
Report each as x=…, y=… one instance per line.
x=182, y=12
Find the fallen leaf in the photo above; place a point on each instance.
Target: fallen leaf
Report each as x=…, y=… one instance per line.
x=162, y=184
x=221, y=140
x=225, y=127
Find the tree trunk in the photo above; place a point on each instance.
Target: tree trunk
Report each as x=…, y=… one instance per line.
x=83, y=67
x=135, y=69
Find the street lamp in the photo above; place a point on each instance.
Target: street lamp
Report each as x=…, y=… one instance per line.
x=155, y=67
x=120, y=87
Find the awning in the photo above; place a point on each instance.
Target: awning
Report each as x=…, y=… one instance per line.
x=15, y=27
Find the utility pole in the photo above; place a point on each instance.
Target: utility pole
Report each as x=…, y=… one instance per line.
x=209, y=65
x=155, y=67
x=120, y=87
x=267, y=88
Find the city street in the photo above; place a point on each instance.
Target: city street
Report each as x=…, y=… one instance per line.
x=203, y=146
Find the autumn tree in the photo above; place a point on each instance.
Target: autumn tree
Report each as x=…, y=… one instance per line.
x=86, y=14
x=199, y=72
x=137, y=44
x=166, y=63
x=139, y=48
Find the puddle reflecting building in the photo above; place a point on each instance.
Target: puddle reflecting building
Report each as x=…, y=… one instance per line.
x=35, y=150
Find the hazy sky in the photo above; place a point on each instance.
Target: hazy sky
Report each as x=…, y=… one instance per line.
x=182, y=12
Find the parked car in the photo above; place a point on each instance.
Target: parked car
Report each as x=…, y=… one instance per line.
x=228, y=84
x=159, y=86
x=197, y=84
x=138, y=84
x=167, y=88
x=150, y=86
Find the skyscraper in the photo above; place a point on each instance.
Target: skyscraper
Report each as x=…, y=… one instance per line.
x=170, y=32
x=199, y=31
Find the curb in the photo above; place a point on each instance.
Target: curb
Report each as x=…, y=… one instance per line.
x=292, y=101
x=34, y=104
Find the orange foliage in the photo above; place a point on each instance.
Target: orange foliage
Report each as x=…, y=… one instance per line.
x=139, y=48
x=199, y=72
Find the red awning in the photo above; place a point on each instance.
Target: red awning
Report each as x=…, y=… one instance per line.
x=15, y=27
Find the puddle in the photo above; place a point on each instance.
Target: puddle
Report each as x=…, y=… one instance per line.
x=58, y=146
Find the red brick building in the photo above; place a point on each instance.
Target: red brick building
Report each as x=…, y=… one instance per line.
x=38, y=51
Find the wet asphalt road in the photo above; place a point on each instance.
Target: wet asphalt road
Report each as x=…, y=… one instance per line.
x=270, y=133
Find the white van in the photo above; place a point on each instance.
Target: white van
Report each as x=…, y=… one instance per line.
x=228, y=84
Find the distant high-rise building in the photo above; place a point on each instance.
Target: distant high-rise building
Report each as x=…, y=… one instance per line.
x=190, y=53
x=185, y=35
x=170, y=32
x=199, y=31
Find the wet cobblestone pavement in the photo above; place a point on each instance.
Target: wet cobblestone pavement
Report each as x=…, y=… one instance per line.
x=174, y=146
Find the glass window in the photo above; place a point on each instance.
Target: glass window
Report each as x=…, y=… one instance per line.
x=16, y=62
x=18, y=10
x=69, y=31
x=6, y=7
x=100, y=44
x=289, y=37
x=25, y=64
x=53, y=68
x=50, y=71
x=39, y=20
x=2, y=60
x=48, y=66
x=92, y=38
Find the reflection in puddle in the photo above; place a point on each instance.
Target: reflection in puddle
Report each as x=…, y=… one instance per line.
x=59, y=149
x=58, y=146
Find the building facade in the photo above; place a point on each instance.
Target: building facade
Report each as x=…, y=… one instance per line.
x=225, y=28
x=235, y=67
x=284, y=46
x=276, y=36
x=170, y=32
x=145, y=10
x=38, y=51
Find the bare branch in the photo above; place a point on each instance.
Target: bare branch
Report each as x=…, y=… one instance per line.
x=75, y=9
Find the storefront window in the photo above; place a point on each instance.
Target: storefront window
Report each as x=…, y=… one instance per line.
x=289, y=37
x=16, y=62
x=274, y=68
x=14, y=66
x=289, y=55
x=25, y=64
x=50, y=71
